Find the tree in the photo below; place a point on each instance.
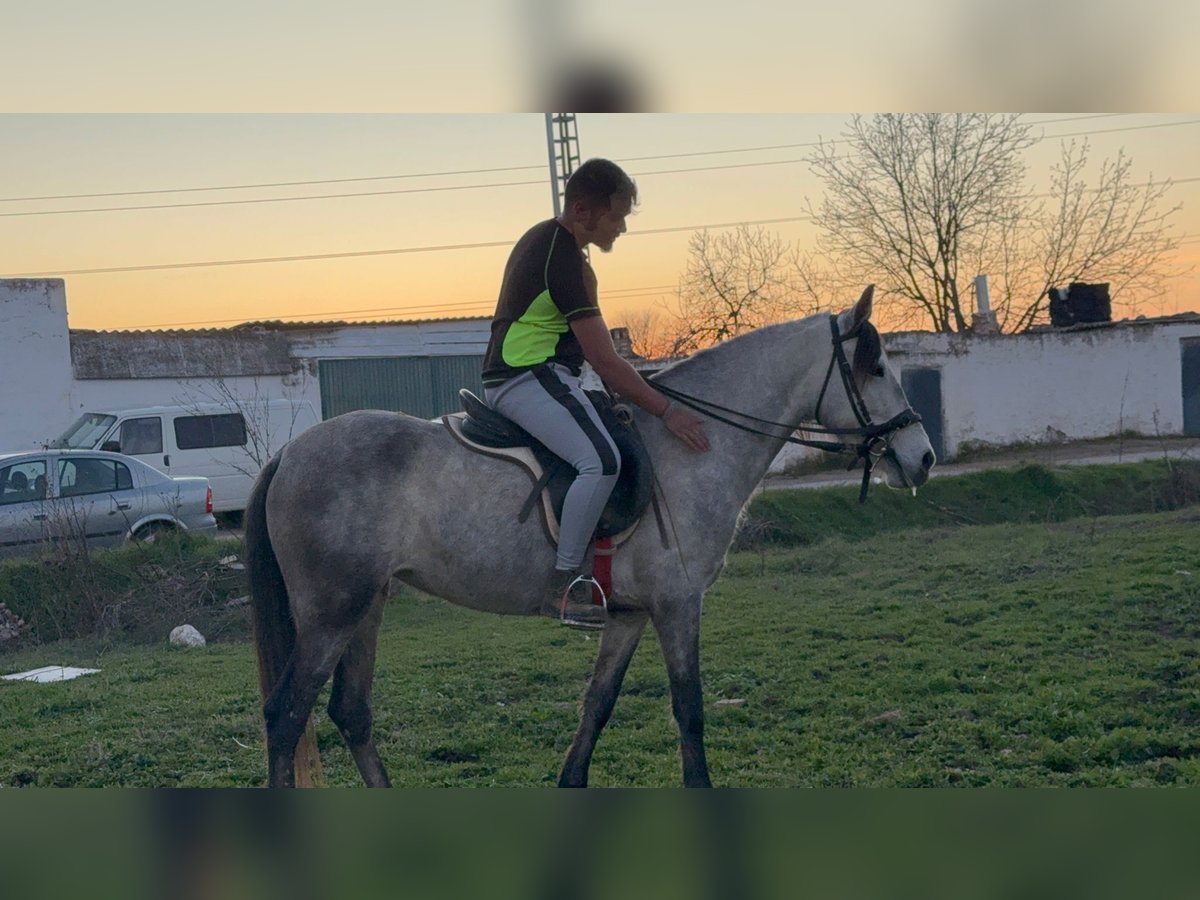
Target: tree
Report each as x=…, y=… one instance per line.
x=654, y=332
x=923, y=203
x=736, y=281
x=1116, y=232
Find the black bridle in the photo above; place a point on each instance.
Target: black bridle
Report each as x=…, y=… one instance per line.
x=876, y=439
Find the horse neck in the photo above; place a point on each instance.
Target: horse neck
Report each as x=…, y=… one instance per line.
x=774, y=373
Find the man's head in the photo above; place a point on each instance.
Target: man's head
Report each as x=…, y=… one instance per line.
x=598, y=197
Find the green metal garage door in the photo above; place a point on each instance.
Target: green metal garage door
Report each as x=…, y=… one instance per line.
x=422, y=386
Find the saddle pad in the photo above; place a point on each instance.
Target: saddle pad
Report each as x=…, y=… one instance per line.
x=525, y=458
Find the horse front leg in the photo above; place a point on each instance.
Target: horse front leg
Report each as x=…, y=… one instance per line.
x=678, y=628
x=620, y=639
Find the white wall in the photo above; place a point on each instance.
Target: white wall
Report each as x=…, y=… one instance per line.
x=35, y=361
x=1054, y=385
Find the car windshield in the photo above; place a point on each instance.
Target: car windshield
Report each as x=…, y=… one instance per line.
x=85, y=433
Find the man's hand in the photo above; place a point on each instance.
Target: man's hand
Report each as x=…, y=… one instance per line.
x=620, y=376
x=686, y=426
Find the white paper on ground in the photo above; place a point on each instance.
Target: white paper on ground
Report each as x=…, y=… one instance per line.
x=50, y=673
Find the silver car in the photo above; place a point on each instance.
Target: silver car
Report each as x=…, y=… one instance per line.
x=102, y=498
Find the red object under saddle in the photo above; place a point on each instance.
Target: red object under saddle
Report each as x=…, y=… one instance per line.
x=602, y=568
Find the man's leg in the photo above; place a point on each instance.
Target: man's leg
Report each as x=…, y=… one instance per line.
x=551, y=405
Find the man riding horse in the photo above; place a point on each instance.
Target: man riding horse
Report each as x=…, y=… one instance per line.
x=547, y=323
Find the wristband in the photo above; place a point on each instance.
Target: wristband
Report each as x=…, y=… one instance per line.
x=666, y=409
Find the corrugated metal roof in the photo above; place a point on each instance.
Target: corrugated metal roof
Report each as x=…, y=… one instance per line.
x=280, y=325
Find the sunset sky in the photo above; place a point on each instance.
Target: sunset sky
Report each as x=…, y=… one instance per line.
x=209, y=170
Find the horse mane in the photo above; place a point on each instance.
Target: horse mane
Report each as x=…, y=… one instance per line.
x=705, y=359
x=867, y=350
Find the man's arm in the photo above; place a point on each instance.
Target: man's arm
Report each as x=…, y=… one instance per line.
x=621, y=377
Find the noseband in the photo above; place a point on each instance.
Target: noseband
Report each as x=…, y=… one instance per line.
x=876, y=440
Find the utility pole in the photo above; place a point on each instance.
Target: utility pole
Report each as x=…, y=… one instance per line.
x=562, y=148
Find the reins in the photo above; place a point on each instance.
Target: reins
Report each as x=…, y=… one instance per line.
x=876, y=439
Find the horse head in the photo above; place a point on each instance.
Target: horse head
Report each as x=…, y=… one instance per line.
x=872, y=401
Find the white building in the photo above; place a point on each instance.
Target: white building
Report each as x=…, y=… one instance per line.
x=1087, y=381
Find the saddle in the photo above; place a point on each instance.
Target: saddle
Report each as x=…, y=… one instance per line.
x=481, y=429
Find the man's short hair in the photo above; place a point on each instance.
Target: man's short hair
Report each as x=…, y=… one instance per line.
x=597, y=182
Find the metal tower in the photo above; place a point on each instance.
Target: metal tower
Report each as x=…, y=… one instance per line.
x=562, y=147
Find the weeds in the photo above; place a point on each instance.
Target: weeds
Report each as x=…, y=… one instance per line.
x=137, y=592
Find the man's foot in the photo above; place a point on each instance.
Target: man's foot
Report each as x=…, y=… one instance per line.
x=576, y=604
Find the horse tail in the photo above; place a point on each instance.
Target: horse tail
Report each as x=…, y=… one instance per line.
x=271, y=617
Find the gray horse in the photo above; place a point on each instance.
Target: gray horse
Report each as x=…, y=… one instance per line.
x=444, y=520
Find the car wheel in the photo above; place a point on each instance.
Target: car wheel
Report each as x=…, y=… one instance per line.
x=150, y=533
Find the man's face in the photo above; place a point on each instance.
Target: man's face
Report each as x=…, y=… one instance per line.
x=605, y=225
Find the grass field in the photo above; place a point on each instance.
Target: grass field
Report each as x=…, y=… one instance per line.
x=1023, y=653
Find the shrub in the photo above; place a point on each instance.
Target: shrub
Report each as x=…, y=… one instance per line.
x=138, y=592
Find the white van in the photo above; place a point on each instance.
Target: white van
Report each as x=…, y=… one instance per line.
x=226, y=444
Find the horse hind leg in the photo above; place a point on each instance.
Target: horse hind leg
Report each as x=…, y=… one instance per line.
x=350, y=700
x=620, y=639
x=287, y=710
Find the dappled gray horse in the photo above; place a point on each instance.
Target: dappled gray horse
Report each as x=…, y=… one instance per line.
x=414, y=505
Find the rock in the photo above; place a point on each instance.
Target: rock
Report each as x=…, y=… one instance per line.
x=12, y=626
x=731, y=701
x=187, y=636
x=238, y=601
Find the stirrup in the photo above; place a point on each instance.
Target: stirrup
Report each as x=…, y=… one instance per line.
x=565, y=619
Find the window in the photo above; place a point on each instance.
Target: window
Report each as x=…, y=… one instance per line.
x=23, y=481
x=85, y=432
x=141, y=435
x=92, y=476
x=194, y=432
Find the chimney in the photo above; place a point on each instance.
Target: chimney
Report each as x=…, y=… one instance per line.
x=984, y=320
x=622, y=341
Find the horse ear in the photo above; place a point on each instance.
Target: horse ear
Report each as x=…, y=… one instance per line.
x=862, y=309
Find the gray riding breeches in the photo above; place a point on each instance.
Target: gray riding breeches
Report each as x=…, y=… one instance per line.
x=550, y=404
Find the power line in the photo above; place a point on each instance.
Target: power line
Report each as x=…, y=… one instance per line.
x=269, y=184
x=465, y=187
x=265, y=259
x=358, y=253
x=423, y=249
x=421, y=190
x=275, y=184
x=1126, y=128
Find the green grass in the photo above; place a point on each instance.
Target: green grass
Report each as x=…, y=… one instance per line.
x=1027, y=494
x=1034, y=653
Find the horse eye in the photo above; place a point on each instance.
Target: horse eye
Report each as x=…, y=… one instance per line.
x=878, y=373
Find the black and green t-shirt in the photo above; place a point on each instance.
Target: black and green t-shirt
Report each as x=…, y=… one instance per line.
x=542, y=292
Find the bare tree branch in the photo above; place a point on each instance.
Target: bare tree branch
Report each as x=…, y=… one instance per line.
x=923, y=203
x=739, y=280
